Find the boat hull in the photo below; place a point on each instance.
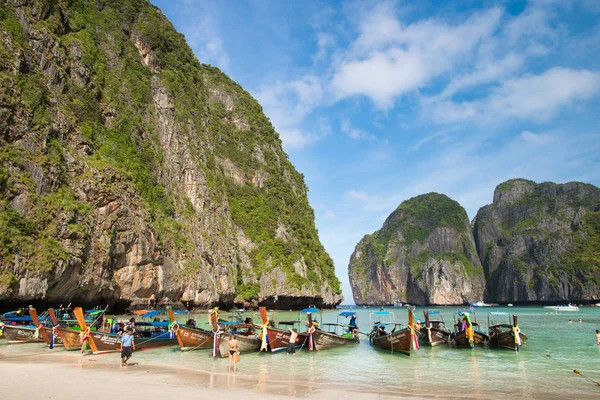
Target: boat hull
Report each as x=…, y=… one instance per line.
x=21, y=334
x=505, y=340
x=103, y=343
x=246, y=344
x=434, y=337
x=279, y=339
x=193, y=338
x=327, y=340
x=47, y=335
x=71, y=339
x=400, y=341
x=461, y=339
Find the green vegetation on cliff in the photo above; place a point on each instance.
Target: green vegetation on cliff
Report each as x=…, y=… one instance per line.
x=417, y=217
x=95, y=99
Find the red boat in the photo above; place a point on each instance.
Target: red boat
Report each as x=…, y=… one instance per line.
x=278, y=339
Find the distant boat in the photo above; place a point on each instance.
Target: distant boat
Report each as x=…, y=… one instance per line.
x=509, y=305
x=397, y=303
x=479, y=303
x=568, y=307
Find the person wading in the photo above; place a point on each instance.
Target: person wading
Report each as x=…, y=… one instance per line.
x=291, y=348
x=233, y=356
x=127, y=346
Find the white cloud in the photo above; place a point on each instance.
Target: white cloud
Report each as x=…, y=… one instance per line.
x=204, y=36
x=354, y=133
x=325, y=42
x=534, y=97
x=355, y=195
x=388, y=59
x=535, y=137
x=329, y=214
x=288, y=103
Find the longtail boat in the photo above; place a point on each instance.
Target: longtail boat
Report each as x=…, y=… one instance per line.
x=48, y=333
x=436, y=332
x=19, y=328
x=148, y=335
x=505, y=335
x=278, y=339
x=248, y=342
x=467, y=331
x=70, y=338
x=337, y=334
x=191, y=337
x=401, y=339
x=16, y=334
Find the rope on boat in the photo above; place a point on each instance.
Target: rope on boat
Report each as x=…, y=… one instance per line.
x=577, y=372
x=194, y=348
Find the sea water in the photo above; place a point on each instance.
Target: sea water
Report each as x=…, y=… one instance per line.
x=542, y=369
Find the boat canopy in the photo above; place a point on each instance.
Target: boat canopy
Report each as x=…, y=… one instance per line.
x=181, y=312
x=347, y=313
x=290, y=322
x=310, y=310
x=434, y=312
x=151, y=314
x=382, y=313
x=497, y=313
x=463, y=312
x=157, y=324
x=388, y=323
x=94, y=312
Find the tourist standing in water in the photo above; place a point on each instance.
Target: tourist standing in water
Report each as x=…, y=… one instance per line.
x=598, y=336
x=291, y=349
x=233, y=349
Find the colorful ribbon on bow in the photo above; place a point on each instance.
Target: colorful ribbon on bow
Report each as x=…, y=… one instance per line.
x=517, y=336
x=173, y=327
x=83, y=338
x=54, y=333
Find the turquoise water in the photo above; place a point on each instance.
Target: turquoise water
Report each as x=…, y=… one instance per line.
x=443, y=371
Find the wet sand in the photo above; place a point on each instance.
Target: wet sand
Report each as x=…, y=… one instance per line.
x=30, y=370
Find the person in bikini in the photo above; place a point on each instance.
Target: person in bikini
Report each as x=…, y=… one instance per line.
x=233, y=349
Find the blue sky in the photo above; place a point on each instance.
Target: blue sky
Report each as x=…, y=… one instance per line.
x=380, y=101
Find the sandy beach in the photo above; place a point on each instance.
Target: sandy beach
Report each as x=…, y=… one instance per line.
x=31, y=369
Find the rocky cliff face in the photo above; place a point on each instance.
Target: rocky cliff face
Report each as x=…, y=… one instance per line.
x=423, y=254
x=540, y=242
x=131, y=173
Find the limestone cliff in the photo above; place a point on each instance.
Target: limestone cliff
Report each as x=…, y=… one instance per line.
x=132, y=173
x=540, y=242
x=423, y=254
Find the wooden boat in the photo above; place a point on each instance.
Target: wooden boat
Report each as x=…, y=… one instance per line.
x=16, y=334
x=48, y=333
x=278, y=339
x=401, y=339
x=436, y=332
x=191, y=337
x=467, y=332
x=70, y=338
x=337, y=334
x=502, y=335
x=248, y=342
x=148, y=335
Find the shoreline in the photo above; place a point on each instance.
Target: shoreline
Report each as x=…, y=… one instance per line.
x=153, y=381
